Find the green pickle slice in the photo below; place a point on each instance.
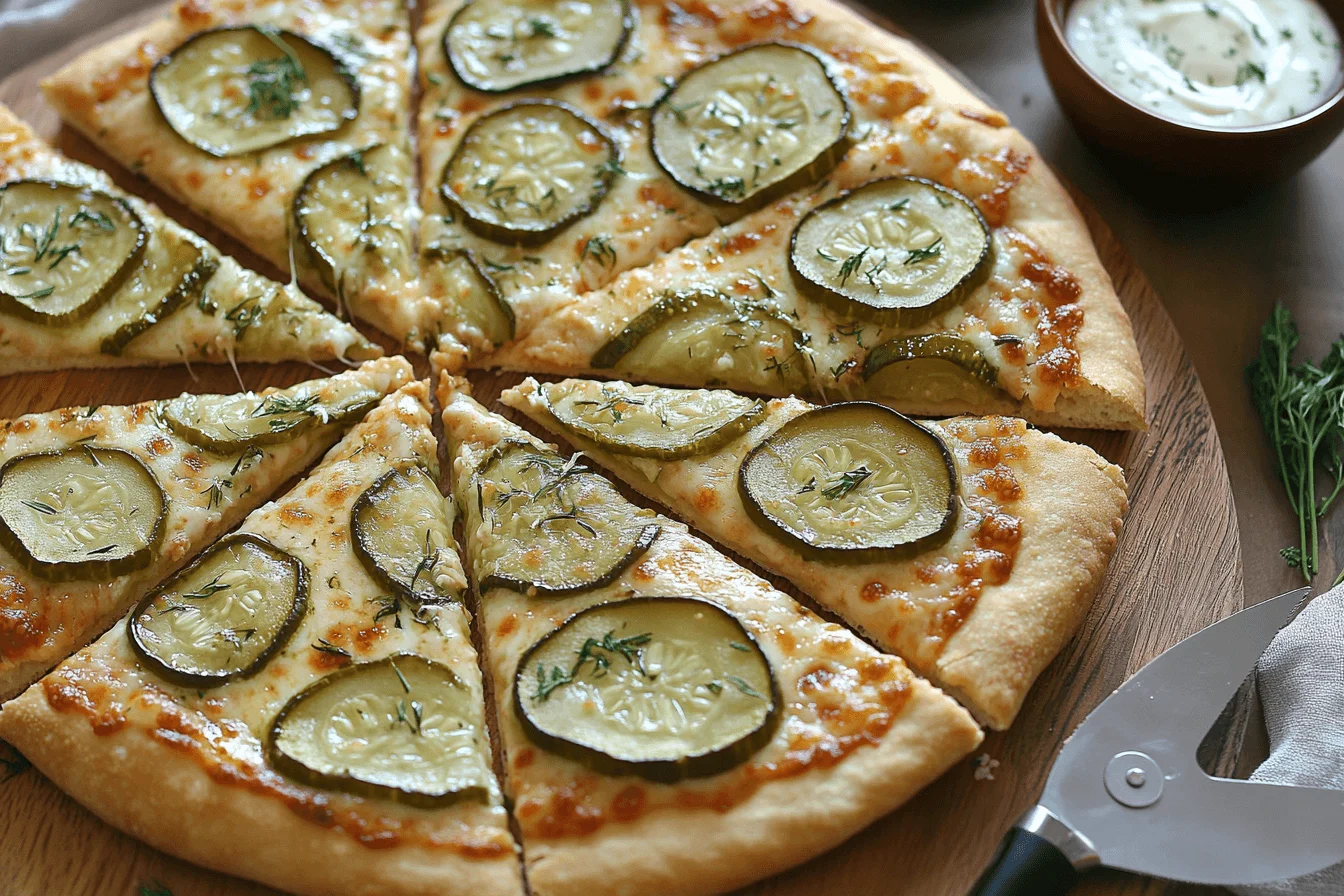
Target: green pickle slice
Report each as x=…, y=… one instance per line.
x=752, y=125
x=666, y=688
x=555, y=526
x=402, y=530
x=244, y=88
x=936, y=369
x=85, y=512
x=172, y=273
x=902, y=248
x=229, y=423
x=525, y=171
x=649, y=421
x=853, y=479
x=402, y=728
x=703, y=335
x=473, y=296
x=64, y=249
x=497, y=46
x=222, y=617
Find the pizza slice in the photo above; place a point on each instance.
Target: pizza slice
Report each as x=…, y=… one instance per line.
x=925, y=257
x=970, y=547
x=99, y=503
x=302, y=705
x=95, y=277
x=285, y=123
x=671, y=724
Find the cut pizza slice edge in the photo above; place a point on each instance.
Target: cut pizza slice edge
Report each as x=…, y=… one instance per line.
x=297, y=144
x=970, y=547
x=99, y=503
x=302, y=706
x=669, y=721
x=95, y=277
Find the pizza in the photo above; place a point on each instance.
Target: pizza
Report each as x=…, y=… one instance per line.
x=299, y=706
x=970, y=547
x=94, y=277
x=98, y=504
x=286, y=123
x=881, y=233
x=670, y=722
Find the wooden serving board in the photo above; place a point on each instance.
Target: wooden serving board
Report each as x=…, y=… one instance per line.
x=1177, y=568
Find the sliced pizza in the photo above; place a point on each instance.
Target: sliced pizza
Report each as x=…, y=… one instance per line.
x=921, y=255
x=671, y=723
x=94, y=277
x=302, y=705
x=970, y=547
x=285, y=122
x=99, y=503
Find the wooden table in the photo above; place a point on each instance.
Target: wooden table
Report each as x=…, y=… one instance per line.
x=1218, y=271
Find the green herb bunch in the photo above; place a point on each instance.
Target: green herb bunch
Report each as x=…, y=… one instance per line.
x=1302, y=409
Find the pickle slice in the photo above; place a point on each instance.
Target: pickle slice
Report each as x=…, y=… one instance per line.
x=85, y=512
x=853, y=479
x=555, y=526
x=525, y=171
x=666, y=688
x=752, y=125
x=497, y=46
x=402, y=530
x=222, y=617
x=347, y=216
x=64, y=249
x=473, y=296
x=935, y=369
x=903, y=248
x=243, y=88
x=229, y=423
x=706, y=336
x=648, y=421
x=402, y=728
x=170, y=275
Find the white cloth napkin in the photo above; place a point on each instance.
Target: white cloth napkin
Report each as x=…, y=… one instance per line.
x=1301, y=682
x=30, y=29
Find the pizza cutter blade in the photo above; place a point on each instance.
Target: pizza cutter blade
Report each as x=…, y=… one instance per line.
x=1127, y=792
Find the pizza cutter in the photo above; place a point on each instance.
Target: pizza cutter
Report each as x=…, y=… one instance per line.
x=1126, y=791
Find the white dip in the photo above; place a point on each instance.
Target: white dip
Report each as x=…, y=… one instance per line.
x=1216, y=63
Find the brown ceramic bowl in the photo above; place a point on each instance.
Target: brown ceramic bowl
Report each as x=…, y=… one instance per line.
x=1190, y=154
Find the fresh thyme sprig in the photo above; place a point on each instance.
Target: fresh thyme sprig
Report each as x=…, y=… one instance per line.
x=1302, y=409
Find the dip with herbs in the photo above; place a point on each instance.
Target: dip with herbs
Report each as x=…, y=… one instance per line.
x=1215, y=63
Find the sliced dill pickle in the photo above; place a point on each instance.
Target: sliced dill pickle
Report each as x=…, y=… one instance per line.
x=706, y=336
x=555, y=527
x=752, y=125
x=402, y=728
x=666, y=688
x=402, y=530
x=229, y=423
x=525, y=171
x=171, y=274
x=855, y=479
x=222, y=617
x=649, y=421
x=497, y=46
x=243, y=88
x=347, y=218
x=935, y=369
x=84, y=512
x=473, y=297
x=64, y=249
x=903, y=248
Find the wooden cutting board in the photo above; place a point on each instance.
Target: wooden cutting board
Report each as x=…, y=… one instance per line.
x=1177, y=568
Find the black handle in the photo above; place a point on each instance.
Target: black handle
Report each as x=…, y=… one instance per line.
x=1026, y=865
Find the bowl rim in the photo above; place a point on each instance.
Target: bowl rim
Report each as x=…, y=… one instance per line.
x=1051, y=9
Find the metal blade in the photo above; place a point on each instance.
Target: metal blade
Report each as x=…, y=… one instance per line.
x=1170, y=819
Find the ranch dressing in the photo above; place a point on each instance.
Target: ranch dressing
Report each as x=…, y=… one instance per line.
x=1215, y=63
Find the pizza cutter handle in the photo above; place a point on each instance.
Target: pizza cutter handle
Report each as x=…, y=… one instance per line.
x=1026, y=864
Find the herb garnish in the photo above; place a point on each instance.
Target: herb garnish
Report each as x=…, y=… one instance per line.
x=849, y=480
x=325, y=646
x=932, y=250
x=600, y=654
x=598, y=247
x=271, y=82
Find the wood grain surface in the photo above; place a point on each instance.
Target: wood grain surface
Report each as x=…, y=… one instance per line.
x=1177, y=568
